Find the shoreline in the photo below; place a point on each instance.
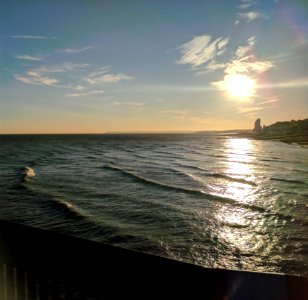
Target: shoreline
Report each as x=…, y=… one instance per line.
x=300, y=139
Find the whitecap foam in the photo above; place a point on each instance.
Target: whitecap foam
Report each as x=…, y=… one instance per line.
x=29, y=173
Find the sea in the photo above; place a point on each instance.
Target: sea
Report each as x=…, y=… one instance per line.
x=208, y=199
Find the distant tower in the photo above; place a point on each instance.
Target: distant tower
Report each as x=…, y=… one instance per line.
x=257, y=127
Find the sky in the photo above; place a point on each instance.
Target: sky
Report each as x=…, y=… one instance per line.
x=75, y=66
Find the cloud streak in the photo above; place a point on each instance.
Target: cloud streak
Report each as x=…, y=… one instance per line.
x=36, y=79
x=74, y=50
x=186, y=115
x=295, y=83
x=201, y=50
x=129, y=103
x=88, y=93
x=81, y=79
x=249, y=16
x=99, y=77
x=29, y=57
x=176, y=112
x=246, y=62
x=247, y=4
x=71, y=76
x=245, y=110
x=46, y=75
x=62, y=68
x=251, y=109
x=33, y=37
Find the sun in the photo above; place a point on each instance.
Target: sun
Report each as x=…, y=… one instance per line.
x=240, y=86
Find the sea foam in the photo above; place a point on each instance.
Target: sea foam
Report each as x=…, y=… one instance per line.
x=28, y=173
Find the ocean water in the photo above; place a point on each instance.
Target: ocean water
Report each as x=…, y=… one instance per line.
x=211, y=200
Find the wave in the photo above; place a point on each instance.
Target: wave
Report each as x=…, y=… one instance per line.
x=68, y=208
x=198, y=193
x=223, y=176
x=279, y=160
x=140, y=156
x=191, y=167
x=219, y=175
x=91, y=157
x=230, y=178
x=273, y=160
x=55, y=201
x=299, y=171
x=287, y=180
x=217, y=155
x=235, y=225
x=168, y=154
x=27, y=173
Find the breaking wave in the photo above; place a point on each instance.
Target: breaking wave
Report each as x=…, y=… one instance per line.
x=287, y=180
x=218, y=175
x=198, y=193
x=27, y=173
x=67, y=208
x=227, y=177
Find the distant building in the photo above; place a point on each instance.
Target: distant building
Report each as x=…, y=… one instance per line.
x=257, y=127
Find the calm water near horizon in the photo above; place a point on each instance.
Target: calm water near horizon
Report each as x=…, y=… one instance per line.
x=211, y=200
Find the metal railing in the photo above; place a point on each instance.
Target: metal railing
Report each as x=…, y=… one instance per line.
x=38, y=264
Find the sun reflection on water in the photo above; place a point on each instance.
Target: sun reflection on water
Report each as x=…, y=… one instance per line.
x=237, y=222
x=239, y=149
x=239, y=168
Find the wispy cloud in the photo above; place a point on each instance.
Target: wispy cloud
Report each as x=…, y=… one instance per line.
x=202, y=54
x=252, y=109
x=245, y=60
x=74, y=50
x=245, y=63
x=249, y=16
x=295, y=83
x=247, y=12
x=46, y=75
x=269, y=101
x=186, y=115
x=100, y=76
x=210, y=67
x=100, y=71
x=36, y=79
x=245, y=110
x=88, y=93
x=201, y=50
x=248, y=64
x=29, y=57
x=247, y=4
x=72, y=87
x=243, y=68
x=247, y=49
x=64, y=67
x=77, y=77
x=33, y=75
x=35, y=37
x=177, y=112
x=129, y=103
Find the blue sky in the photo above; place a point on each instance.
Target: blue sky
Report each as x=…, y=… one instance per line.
x=97, y=66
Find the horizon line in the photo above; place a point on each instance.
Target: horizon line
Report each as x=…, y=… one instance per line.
x=123, y=132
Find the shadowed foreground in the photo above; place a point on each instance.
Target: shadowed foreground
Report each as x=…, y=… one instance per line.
x=38, y=264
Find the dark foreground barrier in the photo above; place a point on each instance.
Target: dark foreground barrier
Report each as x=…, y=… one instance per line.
x=38, y=264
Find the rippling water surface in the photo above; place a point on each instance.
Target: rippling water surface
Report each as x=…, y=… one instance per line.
x=214, y=201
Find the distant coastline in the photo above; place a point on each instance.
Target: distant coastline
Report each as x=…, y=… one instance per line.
x=287, y=132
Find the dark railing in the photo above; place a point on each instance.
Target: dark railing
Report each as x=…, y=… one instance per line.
x=38, y=264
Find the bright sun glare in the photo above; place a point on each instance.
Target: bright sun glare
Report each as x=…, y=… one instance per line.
x=240, y=86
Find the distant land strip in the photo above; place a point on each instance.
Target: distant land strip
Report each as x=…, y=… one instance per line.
x=287, y=131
